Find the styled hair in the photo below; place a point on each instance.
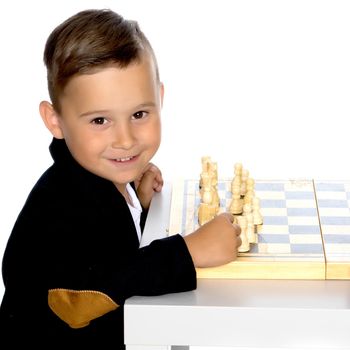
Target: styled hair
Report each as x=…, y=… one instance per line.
x=89, y=40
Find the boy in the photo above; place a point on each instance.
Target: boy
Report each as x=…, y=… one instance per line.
x=73, y=256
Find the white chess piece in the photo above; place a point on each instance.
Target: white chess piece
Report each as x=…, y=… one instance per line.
x=252, y=237
x=244, y=178
x=245, y=246
x=207, y=196
x=236, y=206
x=250, y=183
x=236, y=182
x=257, y=216
x=238, y=169
x=248, y=213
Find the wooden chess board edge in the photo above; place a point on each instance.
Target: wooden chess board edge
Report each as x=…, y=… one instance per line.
x=267, y=270
x=337, y=271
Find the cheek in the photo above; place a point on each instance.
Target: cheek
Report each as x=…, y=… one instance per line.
x=156, y=134
x=152, y=134
x=88, y=145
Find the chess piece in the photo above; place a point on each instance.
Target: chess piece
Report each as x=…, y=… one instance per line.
x=205, y=160
x=238, y=169
x=205, y=183
x=245, y=246
x=213, y=171
x=206, y=212
x=248, y=198
x=244, y=178
x=257, y=216
x=207, y=196
x=236, y=205
x=250, y=183
x=236, y=182
x=248, y=213
x=247, y=209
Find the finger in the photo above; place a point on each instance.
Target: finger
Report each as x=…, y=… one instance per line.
x=157, y=186
x=153, y=168
x=229, y=216
x=158, y=176
x=237, y=229
x=148, y=179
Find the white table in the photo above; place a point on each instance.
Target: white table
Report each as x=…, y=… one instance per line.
x=266, y=314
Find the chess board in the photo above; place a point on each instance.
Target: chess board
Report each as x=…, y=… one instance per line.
x=305, y=234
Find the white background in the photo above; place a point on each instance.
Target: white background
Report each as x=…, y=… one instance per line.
x=265, y=83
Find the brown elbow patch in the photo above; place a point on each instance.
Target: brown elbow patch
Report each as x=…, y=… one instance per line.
x=78, y=307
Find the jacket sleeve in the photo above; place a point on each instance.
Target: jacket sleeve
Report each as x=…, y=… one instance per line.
x=164, y=266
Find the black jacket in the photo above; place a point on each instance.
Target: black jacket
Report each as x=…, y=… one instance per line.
x=75, y=240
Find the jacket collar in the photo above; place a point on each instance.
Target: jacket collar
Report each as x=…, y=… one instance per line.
x=60, y=152
x=71, y=168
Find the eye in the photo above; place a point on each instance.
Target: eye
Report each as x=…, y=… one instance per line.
x=139, y=115
x=99, y=121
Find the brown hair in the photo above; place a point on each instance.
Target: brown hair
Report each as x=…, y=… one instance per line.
x=88, y=40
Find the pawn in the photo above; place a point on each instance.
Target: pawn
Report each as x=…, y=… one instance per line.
x=236, y=182
x=248, y=198
x=236, y=206
x=251, y=235
x=245, y=246
x=257, y=216
x=244, y=178
x=250, y=183
x=247, y=209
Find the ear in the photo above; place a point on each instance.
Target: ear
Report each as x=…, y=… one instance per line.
x=161, y=90
x=51, y=119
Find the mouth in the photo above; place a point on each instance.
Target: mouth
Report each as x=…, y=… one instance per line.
x=124, y=159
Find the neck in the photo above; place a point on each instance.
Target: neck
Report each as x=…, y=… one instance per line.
x=122, y=189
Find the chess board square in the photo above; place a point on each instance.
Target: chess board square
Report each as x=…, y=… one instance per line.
x=311, y=248
x=278, y=248
x=327, y=211
x=302, y=212
x=274, y=211
x=305, y=239
x=298, y=203
x=333, y=203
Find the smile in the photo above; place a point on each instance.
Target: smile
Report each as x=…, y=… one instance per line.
x=126, y=159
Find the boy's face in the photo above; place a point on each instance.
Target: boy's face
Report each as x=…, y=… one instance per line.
x=110, y=120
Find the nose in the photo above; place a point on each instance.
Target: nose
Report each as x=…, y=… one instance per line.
x=123, y=136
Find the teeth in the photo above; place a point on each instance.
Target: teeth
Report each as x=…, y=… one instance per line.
x=123, y=159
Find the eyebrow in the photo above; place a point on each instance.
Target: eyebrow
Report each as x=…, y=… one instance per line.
x=99, y=111
x=106, y=111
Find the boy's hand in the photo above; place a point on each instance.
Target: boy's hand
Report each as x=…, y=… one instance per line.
x=215, y=243
x=150, y=181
